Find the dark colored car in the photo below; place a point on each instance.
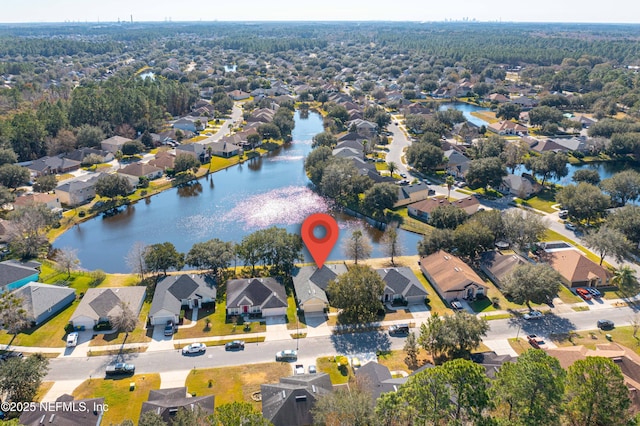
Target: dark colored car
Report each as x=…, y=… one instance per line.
x=120, y=369
x=169, y=328
x=399, y=329
x=236, y=345
x=605, y=324
x=5, y=356
x=594, y=292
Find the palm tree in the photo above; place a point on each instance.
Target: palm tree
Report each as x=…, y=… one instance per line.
x=625, y=278
x=392, y=167
x=449, y=181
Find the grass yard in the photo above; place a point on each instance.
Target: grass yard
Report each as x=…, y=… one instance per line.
x=338, y=376
x=235, y=384
x=139, y=335
x=520, y=345
x=591, y=338
x=42, y=391
x=123, y=403
x=218, y=325
x=567, y=296
x=411, y=224
x=541, y=201
x=294, y=323
x=436, y=304
x=219, y=163
x=49, y=334
x=488, y=116
x=395, y=360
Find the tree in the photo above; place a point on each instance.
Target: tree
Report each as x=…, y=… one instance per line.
x=28, y=237
x=513, y=154
x=342, y=181
x=625, y=278
x=392, y=244
x=132, y=148
x=586, y=175
x=357, y=247
x=12, y=315
x=324, y=139
x=45, y=183
x=549, y=164
x=522, y=228
x=447, y=216
x=452, y=335
x=6, y=196
x=392, y=167
x=485, y=172
x=492, y=220
x=488, y=148
x=596, y=393
x=185, y=162
x=125, y=320
x=214, y=255
x=508, y=111
x=7, y=156
x=608, y=241
x=358, y=293
x=622, y=187
x=151, y=418
x=435, y=240
x=530, y=390
x=352, y=406
x=162, y=257
x=541, y=115
x=468, y=385
x=12, y=176
x=449, y=181
x=67, y=259
x=472, y=238
x=268, y=131
x=135, y=259
x=89, y=136
x=64, y=142
x=583, y=201
x=532, y=283
x=239, y=414
x=411, y=350
x=20, y=378
x=113, y=186
x=378, y=198
x=627, y=220
x=425, y=157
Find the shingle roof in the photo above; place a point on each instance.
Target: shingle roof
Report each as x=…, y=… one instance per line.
x=171, y=290
x=500, y=265
x=80, y=412
x=38, y=298
x=139, y=169
x=11, y=272
x=256, y=292
x=449, y=273
x=311, y=282
x=575, y=267
x=103, y=302
x=165, y=401
x=401, y=281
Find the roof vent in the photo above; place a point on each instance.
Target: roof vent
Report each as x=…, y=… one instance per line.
x=456, y=269
x=284, y=394
x=301, y=398
x=446, y=257
x=51, y=418
x=314, y=389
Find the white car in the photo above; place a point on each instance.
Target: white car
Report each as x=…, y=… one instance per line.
x=194, y=348
x=299, y=369
x=72, y=339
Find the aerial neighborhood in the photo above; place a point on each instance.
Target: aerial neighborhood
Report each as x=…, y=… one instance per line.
x=153, y=179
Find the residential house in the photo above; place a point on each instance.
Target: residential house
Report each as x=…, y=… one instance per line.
x=491, y=362
x=167, y=402
x=498, y=266
x=164, y=160
x=81, y=153
x=545, y=145
x=52, y=201
x=347, y=153
x=576, y=269
x=42, y=301
x=191, y=123
x=525, y=102
x=15, y=274
x=498, y=98
x=257, y=296
x=423, y=209
x=176, y=292
x=451, y=277
x=401, y=285
x=79, y=190
x=457, y=163
x=377, y=378
x=311, y=283
x=262, y=115
x=573, y=144
x=364, y=128
x=100, y=304
x=290, y=402
x=238, y=95
x=416, y=108
x=114, y=144
x=408, y=194
x=355, y=144
x=521, y=186
x=222, y=148
x=138, y=170
x=76, y=412
x=196, y=149
x=584, y=120
x=52, y=165
x=507, y=127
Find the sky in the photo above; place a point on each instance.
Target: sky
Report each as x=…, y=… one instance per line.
x=612, y=11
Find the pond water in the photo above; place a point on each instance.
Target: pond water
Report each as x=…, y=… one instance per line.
x=466, y=109
x=267, y=191
x=604, y=169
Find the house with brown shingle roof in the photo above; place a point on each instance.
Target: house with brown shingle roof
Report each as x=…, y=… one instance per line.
x=498, y=266
x=138, y=170
x=52, y=201
x=164, y=160
x=451, y=277
x=507, y=127
x=576, y=269
x=422, y=209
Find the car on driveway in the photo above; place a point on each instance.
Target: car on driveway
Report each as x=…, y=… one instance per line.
x=456, y=305
x=563, y=214
x=169, y=328
x=594, y=292
x=72, y=339
x=584, y=293
x=299, y=369
x=312, y=369
x=236, y=345
x=533, y=315
x=535, y=341
x=194, y=348
x=605, y=324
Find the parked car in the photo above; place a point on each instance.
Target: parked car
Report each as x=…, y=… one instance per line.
x=235, y=345
x=456, y=305
x=535, y=341
x=404, y=175
x=594, y=292
x=570, y=226
x=533, y=315
x=169, y=328
x=605, y=324
x=72, y=339
x=7, y=355
x=399, y=329
x=312, y=369
x=120, y=369
x=584, y=293
x=287, y=355
x=194, y=348
x=563, y=214
x=299, y=369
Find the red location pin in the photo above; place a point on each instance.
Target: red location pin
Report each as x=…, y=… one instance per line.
x=320, y=247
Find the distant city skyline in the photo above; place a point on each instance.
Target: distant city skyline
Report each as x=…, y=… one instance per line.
x=587, y=11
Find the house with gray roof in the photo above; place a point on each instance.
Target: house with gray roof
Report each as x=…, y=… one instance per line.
x=167, y=402
x=100, y=304
x=114, y=144
x=401, y=285
x=377, y=379
x=78, y=412
x=457, y=163
x=413, y=193
x=77, y=191
x=81, y=153
x=498, y=266
x=290, y=402
x=256, y=296
x=42, y=301
x=14, y=274
x=311, y=283
x=176, y=292
x=52, y=165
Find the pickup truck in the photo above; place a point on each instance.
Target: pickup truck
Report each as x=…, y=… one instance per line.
x=120, y=369
x=535, y=341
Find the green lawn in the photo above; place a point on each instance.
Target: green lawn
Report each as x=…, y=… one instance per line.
x=123, y=403
x=436, y=304
x=50, y=334
x=591, y=338
x=567, y=296
x=235, y=384
x=541, y=201
x=293, y=322
x=411, y=224
x=139, y=335
x=338, y=375
x=219, y=325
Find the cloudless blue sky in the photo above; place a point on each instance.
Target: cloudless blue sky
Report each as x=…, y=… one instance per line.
x=613, y=11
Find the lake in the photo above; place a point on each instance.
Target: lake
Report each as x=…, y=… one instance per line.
x=267, y=191
x=466, y=109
